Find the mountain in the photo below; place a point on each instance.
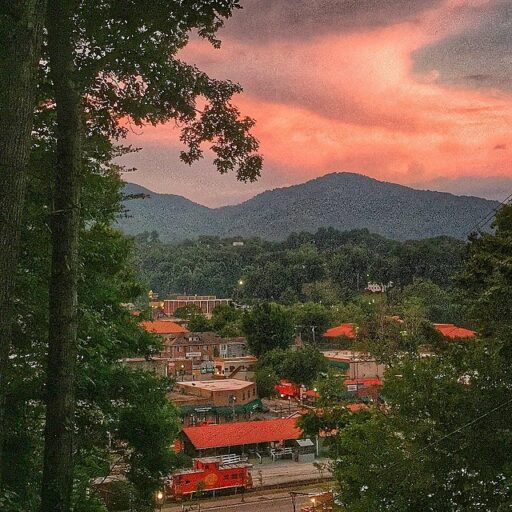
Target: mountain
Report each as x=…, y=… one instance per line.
x=340, y=200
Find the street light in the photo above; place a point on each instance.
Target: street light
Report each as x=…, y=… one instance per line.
x=233, y=400
x=160, y=499
x=182, y=373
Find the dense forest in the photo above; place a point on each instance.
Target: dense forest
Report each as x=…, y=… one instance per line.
x=328, y=266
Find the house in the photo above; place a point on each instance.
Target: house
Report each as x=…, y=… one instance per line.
x=378, y=287
x=240, y=436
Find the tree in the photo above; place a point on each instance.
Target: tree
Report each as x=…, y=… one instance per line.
x=312, y=319
x=99, y=74
x=21, y=32
x=266, y=379
x=188, y=312
x=486, y=279
x=199, y=323
x=107, y=332
x=267, y=326
x=303, y=366
x=443, y=442
x=298, y=366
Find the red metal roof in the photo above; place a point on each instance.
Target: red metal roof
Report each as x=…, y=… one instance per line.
x=243, y=432
x=453, y=332
x=163, y=327
x=347, y=330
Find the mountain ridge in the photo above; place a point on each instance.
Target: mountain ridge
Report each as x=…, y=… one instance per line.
x=341, y=200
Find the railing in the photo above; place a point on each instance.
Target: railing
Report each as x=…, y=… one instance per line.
x=279, y=454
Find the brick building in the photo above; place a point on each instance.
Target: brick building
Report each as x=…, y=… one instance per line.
x=220, y=393
x=206, y=303
x=201, y=346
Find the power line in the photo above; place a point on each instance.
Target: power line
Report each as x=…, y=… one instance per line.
x=487, y=217
x=457, y=430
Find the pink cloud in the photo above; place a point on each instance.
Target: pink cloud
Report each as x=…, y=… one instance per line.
x=352, y=102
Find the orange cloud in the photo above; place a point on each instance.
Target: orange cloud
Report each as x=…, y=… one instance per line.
x=352, y=102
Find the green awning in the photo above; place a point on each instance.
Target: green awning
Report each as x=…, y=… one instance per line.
x=339, y=364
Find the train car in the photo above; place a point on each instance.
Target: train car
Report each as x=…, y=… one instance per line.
x=209, y=474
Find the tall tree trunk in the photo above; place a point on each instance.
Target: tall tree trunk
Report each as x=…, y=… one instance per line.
x=60, y=393
x=21, y=29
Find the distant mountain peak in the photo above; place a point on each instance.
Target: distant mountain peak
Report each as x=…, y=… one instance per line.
x=343, y=200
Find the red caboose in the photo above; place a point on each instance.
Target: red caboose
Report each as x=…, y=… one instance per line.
x=209, y=474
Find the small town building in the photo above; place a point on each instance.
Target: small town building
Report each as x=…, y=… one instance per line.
x=357, y=365
x=158, y=365
x=205, y=303
x=202, y=346
x=241, y=437
x=220, y=393
x=242, y=368
x=215, y=401
x=233, y=347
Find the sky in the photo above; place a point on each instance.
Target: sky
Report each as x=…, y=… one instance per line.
x=417, y=92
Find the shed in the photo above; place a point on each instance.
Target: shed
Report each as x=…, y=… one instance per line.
x=303, y=450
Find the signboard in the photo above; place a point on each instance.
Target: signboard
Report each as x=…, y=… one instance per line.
x=193, y=354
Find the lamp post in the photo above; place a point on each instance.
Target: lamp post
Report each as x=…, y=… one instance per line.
x=233, y=401
x=182, y=373
x=160, y=499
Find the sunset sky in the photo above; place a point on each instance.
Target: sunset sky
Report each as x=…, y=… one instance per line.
x=417, y=92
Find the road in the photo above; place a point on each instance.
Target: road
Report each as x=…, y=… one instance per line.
x=270, y=501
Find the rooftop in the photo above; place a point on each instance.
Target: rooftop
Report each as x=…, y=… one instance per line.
x=163, y=327
x=346, y=330
x=454, y=332
x=242, y=433
x=217, y=385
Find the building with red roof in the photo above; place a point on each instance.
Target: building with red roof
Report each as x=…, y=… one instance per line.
x=345, y=330
x=453, y=332
x=163, y=327
x=224, y=436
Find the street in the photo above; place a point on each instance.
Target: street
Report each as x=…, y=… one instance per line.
x=278, y=500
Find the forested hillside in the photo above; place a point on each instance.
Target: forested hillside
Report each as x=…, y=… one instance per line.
x=344, y=201
x=327, y=266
